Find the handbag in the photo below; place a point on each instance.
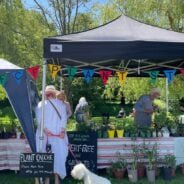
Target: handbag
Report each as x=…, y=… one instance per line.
x=48, y=147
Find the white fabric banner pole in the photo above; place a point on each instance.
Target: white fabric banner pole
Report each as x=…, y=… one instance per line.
x=167, y=95
x=43, y=109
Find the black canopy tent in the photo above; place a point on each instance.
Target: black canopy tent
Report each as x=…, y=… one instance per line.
x=23, y=97
x=122, y=41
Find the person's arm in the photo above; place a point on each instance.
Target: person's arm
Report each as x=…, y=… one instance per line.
x=47, y=132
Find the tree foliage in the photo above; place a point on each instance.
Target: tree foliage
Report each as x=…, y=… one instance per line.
x=23, y=30
x=166, y=13
x=22, y=33
x=65, y=15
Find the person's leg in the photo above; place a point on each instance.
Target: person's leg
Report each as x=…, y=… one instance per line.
x=56, y=178
x=47, y=180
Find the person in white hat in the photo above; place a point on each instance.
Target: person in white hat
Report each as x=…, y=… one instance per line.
x=55, y=120
x=144, y=108
x=62, y=96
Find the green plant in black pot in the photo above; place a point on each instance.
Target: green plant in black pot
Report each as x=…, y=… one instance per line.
x=83, y=126
x=134, y=131
x=169, y=166
x=160, y=119
x=128, y=123
x=170, y=161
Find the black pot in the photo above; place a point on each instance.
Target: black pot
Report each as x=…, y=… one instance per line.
x=167, y=173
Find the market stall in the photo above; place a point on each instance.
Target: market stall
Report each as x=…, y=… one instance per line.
x=107, y=149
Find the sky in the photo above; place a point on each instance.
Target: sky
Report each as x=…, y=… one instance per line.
x=30, y=4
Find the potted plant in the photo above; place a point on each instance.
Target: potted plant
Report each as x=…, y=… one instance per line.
x=172, y=122
x=141, y=158
x=111, y=130
x=119, y=128
x=169, y=166
x=151, y=156
x=142, y=132
x=118, y=167
x=128, y=123
x=132, y=167
x=182, y=168
x=160, y=119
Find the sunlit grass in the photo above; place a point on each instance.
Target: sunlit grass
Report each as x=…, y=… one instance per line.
x=9, y=177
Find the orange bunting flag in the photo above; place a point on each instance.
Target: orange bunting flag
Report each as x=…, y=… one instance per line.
x=122, y=76
x=54, y=69
x=34, y=71
x=105, y=75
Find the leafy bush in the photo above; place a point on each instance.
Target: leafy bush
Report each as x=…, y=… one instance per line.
x=6, y=123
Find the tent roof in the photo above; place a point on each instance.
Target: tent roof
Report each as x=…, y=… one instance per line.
x=123, y=41
x=4, y=64
x=125, y=29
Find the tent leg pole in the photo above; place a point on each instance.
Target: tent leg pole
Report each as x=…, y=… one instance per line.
x=40, y=180
x=61, y=83
x=167, y=95
x=43, y=109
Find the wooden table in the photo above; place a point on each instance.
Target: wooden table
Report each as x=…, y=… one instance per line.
x=10, y=150
x=107, y=148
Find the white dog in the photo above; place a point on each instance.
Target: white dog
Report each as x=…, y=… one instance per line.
x=80, y=172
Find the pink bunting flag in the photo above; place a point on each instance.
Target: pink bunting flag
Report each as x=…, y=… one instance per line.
x=34, y=71
x=105, y=75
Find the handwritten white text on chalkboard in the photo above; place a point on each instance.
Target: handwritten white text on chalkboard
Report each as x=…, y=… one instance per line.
x=82, y=148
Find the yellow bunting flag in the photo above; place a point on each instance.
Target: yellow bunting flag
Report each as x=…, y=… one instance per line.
x=122, y=76
x=54, y=69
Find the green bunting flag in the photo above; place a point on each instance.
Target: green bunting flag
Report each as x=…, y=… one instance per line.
x=71, y=72
x=3, y=79
x=153, y=76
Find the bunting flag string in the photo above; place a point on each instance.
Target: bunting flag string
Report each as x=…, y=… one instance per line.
x=153, y=75
x=88, y=74
x=122, y=76
x=170, y=75
x=105, y=75
x=3, y=79
x=54, y=69
x=71, y=72
x=34, y=71
x=18, y=76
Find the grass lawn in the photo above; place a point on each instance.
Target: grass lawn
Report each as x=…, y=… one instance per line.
x=9, y=177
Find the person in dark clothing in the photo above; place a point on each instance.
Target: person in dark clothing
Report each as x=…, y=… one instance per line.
x=122, y=103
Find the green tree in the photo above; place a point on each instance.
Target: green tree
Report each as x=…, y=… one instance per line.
x=166, y=13
x=65, y=15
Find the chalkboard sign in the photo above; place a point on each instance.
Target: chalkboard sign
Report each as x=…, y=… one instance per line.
x=36, y=164
x=84, y=148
